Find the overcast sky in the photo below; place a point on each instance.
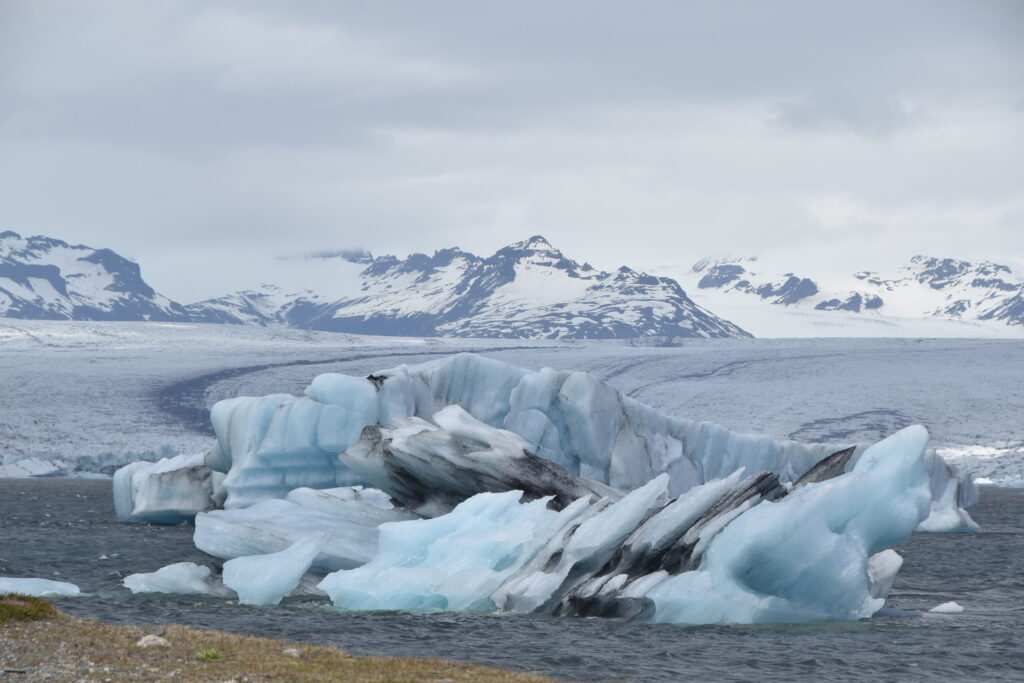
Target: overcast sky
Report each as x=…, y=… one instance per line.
x=204, y=139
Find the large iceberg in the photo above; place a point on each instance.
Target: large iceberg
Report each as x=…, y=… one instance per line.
x=501, y=489
x=269, y=446
x=738, y=550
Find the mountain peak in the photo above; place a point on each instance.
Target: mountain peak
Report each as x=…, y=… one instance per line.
x=535, y=243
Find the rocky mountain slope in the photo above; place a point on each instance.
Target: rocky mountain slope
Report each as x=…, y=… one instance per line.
x=47, y=279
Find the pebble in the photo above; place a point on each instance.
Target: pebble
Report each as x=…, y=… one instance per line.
x=152, y=641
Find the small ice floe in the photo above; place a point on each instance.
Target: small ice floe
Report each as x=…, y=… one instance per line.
x=38, y=587
x=947, y=608
x=182, y=578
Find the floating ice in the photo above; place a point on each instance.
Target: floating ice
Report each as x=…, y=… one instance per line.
x=170, y=491
x=547, y=492
x=807, y=556
x=950, y=495
x=265, y=579
x=349, y=516
x=882, y=570
x=271, y=445
x=17, y=468
x=738, y=550
x=948, y=608
x=38, y=587
x=185, y=578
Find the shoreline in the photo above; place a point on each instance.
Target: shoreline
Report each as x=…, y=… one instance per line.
x=66, y=648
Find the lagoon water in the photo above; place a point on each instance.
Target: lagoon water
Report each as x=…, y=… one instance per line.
x=65, y=529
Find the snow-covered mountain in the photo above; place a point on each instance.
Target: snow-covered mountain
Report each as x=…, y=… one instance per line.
x=526, y=290
x=924, y=287
x=44, y=278
x=267, y=305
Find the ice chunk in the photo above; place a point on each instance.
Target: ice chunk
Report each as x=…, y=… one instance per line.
x=951, y=493
x=453, y=562
x=882, y=570
x=806, y=557
x=947, y=608
x=169, y=491
x=16, y=468
x=185, y=578
x=587, y=547
x=38, y=587
x=464, y=560
x=738, y=550
x=431, y=469
x=278, y=443
x=349, y=516
x=265, y=579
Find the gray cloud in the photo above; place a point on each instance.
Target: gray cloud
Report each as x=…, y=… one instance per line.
x=219, y=135
x=864, y=116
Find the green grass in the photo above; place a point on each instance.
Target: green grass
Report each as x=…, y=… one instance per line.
x=210, y=654
x=15, y=607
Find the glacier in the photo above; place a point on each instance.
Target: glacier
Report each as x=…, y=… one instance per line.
x=496, y=488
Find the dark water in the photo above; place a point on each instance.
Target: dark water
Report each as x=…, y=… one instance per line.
x=60, y=528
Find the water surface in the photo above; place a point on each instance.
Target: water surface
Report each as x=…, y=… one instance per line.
x=65, y=529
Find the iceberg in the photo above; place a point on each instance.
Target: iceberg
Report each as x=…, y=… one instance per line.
x=269, y=446
x=265, y=579
x=38, y=587
x=183, y=578
x=736, y=550
x=170, y=491
x=947, y=608
x=498, y=489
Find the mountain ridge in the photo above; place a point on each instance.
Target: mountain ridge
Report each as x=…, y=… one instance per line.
x=924, y=286
x=528, y=289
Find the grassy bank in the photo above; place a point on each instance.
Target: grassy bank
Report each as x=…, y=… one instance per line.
x=44, y=644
